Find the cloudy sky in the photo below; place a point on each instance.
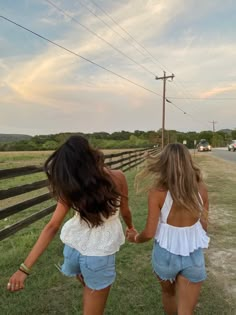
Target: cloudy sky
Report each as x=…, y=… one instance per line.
x=126, y=43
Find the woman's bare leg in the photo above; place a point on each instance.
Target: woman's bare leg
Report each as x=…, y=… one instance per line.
x=80, y=278
x=94, y=301
x=168, y=296
x=188, y=294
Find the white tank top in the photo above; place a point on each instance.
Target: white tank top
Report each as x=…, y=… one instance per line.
x=179, y=240
x=103, y=240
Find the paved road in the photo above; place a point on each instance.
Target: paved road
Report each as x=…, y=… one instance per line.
x=224, y=154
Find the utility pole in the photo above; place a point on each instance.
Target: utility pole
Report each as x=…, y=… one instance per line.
x=213, y=128
x=164, y=78
x=213, y=124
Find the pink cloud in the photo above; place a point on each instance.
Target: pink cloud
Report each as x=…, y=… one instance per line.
x=218, y=90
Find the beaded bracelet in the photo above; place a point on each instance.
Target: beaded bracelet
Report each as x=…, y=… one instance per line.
x=25, y=268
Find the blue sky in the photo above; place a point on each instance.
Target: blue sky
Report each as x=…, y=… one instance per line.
x=44, y=89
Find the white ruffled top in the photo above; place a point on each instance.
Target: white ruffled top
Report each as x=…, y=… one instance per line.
x=103, y=240
x=179, y=240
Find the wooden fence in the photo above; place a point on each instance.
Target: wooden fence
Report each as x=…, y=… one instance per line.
x=122, y=160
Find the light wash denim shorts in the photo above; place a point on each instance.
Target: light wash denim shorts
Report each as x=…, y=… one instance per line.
x=167, y=265
x=98, y=271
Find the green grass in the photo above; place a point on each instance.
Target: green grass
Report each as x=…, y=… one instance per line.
x=26, y=158
x=16, y=182
x=221, y=180
x=136, y=291
x=19, y=159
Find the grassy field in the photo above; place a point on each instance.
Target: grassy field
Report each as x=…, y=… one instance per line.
x=25, y=158
x=221, y=180
x=136, y=291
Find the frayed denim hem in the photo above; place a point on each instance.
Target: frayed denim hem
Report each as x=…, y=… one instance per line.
x=172, y=280
x=59, y=268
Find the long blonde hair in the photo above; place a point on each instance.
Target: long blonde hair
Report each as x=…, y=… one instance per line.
x=173, y=169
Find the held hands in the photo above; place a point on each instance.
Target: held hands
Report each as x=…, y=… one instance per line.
x=131, y=234
x=16, y=282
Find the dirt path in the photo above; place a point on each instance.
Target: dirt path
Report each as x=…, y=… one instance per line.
x=222, y=251
x=220, y=177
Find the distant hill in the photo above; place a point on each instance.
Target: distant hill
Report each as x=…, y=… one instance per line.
x=13, y=137
x=226, y=131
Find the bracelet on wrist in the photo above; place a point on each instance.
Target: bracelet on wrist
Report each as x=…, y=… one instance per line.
x=25, y=268
x=24, y=271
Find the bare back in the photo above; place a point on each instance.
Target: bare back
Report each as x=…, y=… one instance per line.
x=122, y=188
x=179, y=217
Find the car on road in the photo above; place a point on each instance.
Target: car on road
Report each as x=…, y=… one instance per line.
x=203, y=146
x=232, y=146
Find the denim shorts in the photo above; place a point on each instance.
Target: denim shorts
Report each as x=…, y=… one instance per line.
x=98, y=271
x=167, y=265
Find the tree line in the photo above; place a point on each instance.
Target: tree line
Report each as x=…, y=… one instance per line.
x=122, y=139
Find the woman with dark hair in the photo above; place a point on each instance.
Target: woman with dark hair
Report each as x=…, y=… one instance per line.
x=79, y=179
x=177, y=221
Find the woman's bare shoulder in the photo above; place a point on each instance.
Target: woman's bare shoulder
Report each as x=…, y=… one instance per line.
x=118, y=177
x=158, y=192
x=157, y=196
x=116, y=174
x=202, y=188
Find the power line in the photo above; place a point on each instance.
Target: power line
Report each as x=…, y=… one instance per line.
x=168, y=101
x=111, y=28
x=129, y=42
x=211, y=81
x=186, y=113
x=185, y=98
x=203, y=99
x=185, y=95
x=147, y=52
x=80, y=56
x=88, y=60
x=153, y=58
x=164, y=78
x=125, y=31
x=98, y=36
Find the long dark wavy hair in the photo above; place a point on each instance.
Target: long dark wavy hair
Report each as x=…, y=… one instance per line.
x=78, y=177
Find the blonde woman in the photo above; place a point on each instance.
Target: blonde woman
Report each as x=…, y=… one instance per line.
x=177, y=220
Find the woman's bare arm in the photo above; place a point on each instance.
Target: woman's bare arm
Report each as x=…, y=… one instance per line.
x=47, y=234
x=17, y=279
x=204, y=194
x=155, y=199
x=122, y=186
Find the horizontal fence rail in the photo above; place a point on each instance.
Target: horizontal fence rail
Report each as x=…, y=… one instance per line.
x=15, y=191
x=125, y=161
x=25, y=222
x=13, y=172
x=4, y=213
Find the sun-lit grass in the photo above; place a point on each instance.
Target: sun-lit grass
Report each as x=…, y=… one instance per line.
x=136, y=291
x=25, y=158
x=221, y=181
